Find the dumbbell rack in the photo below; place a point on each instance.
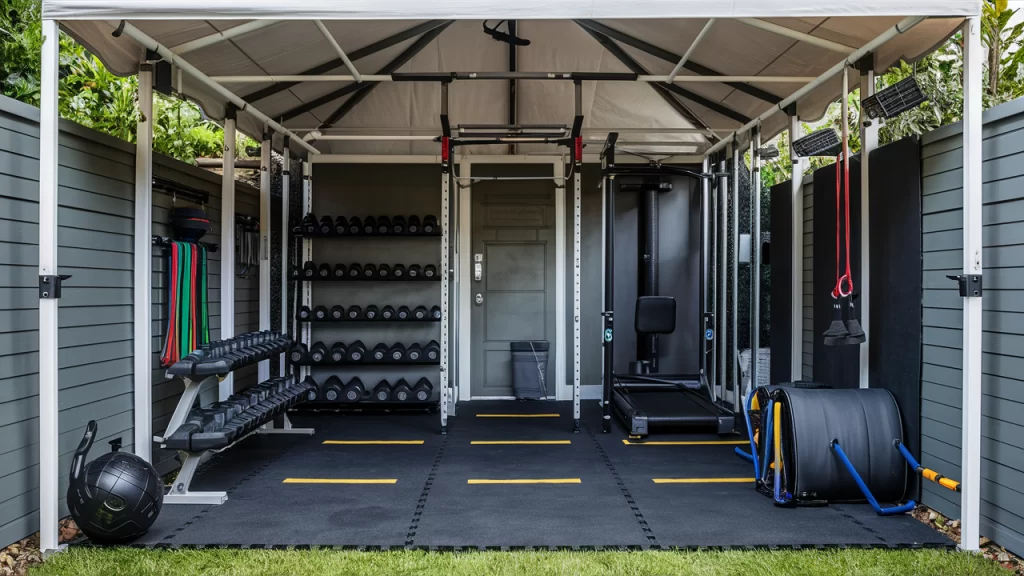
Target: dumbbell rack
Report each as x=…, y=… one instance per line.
x=194, y=384
x=305, y=291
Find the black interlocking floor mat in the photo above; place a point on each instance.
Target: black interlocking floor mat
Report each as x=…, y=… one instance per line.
x=441, y=491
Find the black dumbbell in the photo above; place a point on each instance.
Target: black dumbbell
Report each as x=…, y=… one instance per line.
x=401, y=390
x=318, y=353
x=371, y=312
x=414, y=353
x=332, y=389
x=320, y=313
x=354, y=312
x=423, y=390
x=326, y=225
x=432, y=350
x=309, y=224
x=355, y=271
x=382, y=392
x=340, y=271
x=414, y=225
x=383, y=225
x=429, y=271
x=384, y=271
x=298, y=353
x=313, y=391
x=324, y=272
x=305, y=314
x=414, y=272
x=338, y=352
x=435, y=312
x=398, y=225
x=398, y=271
x=421, y=313
x=355, y=225
x=403, y=313
x=337, y=312
x=355, y=352
x=369, y=225
x=387, y=313
x=369, y=271
x=379, y=352
x=397, y=352
x=309, y=269
x=353, y=391
x=429, y=224
x=341, y=226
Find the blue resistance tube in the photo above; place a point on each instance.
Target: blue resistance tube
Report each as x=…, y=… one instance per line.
x=769, y=429
x=892, y=510
x=780, y=498
x=752, y=456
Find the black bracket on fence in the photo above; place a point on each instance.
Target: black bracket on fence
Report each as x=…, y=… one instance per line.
x=970, y=285
x=50, y=285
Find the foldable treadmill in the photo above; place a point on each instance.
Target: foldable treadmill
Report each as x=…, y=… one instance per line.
x=645, y=400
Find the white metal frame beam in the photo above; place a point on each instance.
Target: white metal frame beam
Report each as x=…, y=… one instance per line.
x=285, y=243
x=143, y=271
x=221, y=36
x=970, y=497
x=266, y=149
x=755, y=257
x=689, y=52
x=341, y=53
x=227, y=248
x=795, y=35
x=868, y=143
x=647, y=78
x=796, y=283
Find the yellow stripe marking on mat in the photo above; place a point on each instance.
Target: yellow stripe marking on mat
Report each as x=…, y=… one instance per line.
x=526, y=481
x=340, y=481
x=374, y=442
x=518, y=415
x=702, y=480
x=521, y=442
x=689, y=443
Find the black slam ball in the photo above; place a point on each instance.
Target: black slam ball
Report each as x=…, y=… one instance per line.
x=116, y=497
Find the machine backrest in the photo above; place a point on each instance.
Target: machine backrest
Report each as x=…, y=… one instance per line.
x=655, y=315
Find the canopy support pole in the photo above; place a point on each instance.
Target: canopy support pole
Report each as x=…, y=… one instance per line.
x=970, y=503
x=868, y=143
x=796, y=282
x=734, y=216
x=795, y=35
x=143, y=271
x=337, y=48
x=49, y=447
x=689, y=51
x=266, y=147
x=285, y=236
x=227, y=243
x=722, y=291
x=222, y=35
x=755, y=256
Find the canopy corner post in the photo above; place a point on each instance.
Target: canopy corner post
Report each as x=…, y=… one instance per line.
x=755, y=254
x=970, y=503
x=285, y=252
x=796, y=286
x=49, y=448
x=722, y=293
x=266, y=151
x=227, y=241
x=868, y=143
x=734, y=218
x=143, y=271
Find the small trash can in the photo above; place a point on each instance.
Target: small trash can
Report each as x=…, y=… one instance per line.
x=530, y=369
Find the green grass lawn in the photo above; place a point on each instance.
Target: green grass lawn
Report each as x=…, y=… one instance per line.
x=135, y=562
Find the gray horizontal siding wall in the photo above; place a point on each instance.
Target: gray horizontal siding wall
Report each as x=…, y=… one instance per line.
x=808, y=279
x=1002, y=468
x=95, y=245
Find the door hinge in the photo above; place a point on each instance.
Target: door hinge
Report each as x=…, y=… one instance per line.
x=971, y=285
x=50, y=285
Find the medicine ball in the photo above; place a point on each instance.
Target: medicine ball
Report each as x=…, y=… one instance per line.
x=116, y=497
x=189, y=224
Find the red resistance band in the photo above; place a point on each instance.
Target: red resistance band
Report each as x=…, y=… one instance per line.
x=844, y=283
x=170, y=355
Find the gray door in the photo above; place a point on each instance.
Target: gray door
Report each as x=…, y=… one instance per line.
x=513, y=241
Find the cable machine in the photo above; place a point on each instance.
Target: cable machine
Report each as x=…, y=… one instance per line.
x=644, y=399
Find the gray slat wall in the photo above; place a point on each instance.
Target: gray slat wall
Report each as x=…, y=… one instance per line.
x=1002, y=428
x=95, y=245
x=808, y=331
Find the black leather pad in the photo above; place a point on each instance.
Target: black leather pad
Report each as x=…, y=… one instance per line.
x=655, y=315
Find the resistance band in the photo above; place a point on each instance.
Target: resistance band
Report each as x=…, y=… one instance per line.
x=188, y=319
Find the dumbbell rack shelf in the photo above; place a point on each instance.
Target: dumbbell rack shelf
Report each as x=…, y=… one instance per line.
x=395, y=320
x=372, y=363
x=301, y=234
x=367, y=404
x=364, y=279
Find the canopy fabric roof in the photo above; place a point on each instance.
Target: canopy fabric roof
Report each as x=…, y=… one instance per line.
x=293, y=46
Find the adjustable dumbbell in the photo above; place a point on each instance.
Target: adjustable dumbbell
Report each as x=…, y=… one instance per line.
x=353, y=391
x=421, y=313
x=429, y=224
x=384, y=271
x=401, y=391
x=435, y=312
x=432, y=350
x=397, y=352
x=414, y=272
x=309, y=269
x=379, y=352
x=371, y=312
x=354, y=312
x=382, y=391
x=337, y=312
x=398, y=225
x=422, y=390
x=355, y=271
x=340, y=271
x=338, y=352
x=320, y=313
x=383, y=225
x=305, y=314
x=369, y=271
x=324, y=272
x=387, y=313
x=326, y=225
x=355, y=225
x=403, y=313
x=355, y=352
x=369, y=225
x=341, y=226
x=318, y=353
x=429, y=271
x=414, y=353
x=332, y=389
x=414, y=225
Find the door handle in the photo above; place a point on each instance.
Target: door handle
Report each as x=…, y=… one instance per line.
x=479, y=299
